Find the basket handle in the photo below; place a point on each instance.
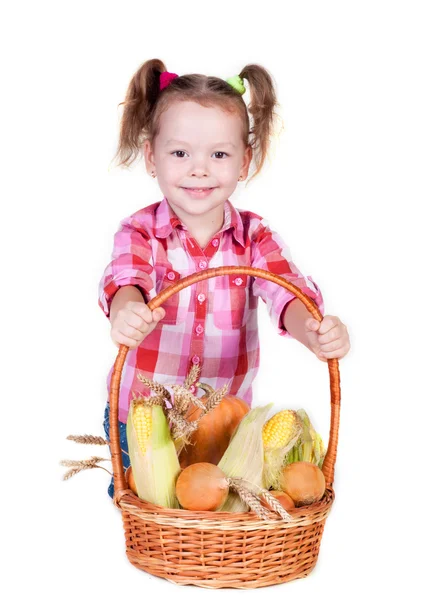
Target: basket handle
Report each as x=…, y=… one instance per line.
x=328, y=466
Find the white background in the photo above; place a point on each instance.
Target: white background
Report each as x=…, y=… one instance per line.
x=343, y=189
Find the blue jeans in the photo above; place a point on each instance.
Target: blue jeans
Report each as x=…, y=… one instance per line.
x=123, y=445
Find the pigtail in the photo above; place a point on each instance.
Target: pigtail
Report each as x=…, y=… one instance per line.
x=140, y=100
x=262, y=107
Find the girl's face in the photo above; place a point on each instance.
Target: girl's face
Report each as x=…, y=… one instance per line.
x=198, y=157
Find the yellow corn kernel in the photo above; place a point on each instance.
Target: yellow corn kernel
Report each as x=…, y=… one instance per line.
x=142, y=420
x=280, y=429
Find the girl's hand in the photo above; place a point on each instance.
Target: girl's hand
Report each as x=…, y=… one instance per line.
x=329, y=338
x=133, y=322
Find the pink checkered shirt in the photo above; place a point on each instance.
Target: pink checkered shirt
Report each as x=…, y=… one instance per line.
x=212, y=323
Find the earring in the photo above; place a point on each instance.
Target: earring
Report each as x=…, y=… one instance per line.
x=240, y=178
x=153, y=174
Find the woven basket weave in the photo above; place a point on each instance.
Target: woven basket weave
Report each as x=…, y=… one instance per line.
x=222, y=550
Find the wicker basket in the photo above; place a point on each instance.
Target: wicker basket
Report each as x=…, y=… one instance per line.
x=222, y=550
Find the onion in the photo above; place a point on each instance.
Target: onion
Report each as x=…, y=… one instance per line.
x=303, y=482
x=282, y=497
x=202, y=486
x=130, y=480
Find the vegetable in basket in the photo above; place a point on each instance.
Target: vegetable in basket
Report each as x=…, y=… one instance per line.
x=186, y=414
x=129, y=476
x=210, y=440
x=282, y=497
x=309, y=447
x=280, y=434
x=244, y=456
x=205, y=487
x=303, y=482
x=152, y=453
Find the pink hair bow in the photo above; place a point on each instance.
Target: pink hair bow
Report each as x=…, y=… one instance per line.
x=166, y=78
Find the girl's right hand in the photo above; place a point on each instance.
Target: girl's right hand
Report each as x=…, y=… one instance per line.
x=133, y=322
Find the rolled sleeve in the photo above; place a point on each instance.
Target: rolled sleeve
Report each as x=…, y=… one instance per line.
x=269, y=252
x=131, y=264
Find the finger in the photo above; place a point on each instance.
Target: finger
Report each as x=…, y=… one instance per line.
x=340, y=353
x=158, y=314
x=328, y=323
x=332, y=335
x=331, y=346
x=142, y=310
x=136, y=321
x=312, y=325
x=119, y=339
x=135, y=332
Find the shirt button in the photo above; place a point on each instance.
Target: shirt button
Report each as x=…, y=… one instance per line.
x=171, y=275
x=215, y=242
x=195, y=359
x=192, y=389
x=201, y=297
x=238, y=281
x=202, y=264
x=199, y=329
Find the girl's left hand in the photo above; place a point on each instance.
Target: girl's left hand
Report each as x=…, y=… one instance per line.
x=327, y=339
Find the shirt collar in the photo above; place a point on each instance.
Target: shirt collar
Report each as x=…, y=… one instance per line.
x=167, y=221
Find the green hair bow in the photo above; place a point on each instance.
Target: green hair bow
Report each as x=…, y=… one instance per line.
x=237, y=83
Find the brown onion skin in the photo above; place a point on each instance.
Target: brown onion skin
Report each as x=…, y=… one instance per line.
x=130, y=480
x=303, y=482
x=209, y=441
x=282, y=497
x=201, y=486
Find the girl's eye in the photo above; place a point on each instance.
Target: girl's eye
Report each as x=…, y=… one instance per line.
x=178, y=153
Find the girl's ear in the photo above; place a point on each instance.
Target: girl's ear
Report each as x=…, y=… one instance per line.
x=149, y=157
x=248, y=155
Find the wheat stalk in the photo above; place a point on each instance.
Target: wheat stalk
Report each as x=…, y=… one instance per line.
x=185, y=397
x=276, y=506
x=192, y=376
x=81, y=465
x=88, y=439
x=249, y=498
x=154, y=401
x=215, y=398
x=154, y=385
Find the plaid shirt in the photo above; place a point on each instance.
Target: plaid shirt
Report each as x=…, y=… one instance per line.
x=212, y=323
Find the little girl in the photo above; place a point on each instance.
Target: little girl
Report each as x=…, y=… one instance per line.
x=195, y=135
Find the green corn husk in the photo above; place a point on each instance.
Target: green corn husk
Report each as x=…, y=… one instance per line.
x=305, y=450
x=310, y=447
x=244, y=457
x=155, y=466
x=319, y=450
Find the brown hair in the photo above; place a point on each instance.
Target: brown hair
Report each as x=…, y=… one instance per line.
x=144, y=103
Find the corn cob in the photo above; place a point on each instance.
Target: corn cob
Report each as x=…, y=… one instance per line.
x=280, y=433
x=142, y=420
x=244, y=456
x=280, y=429
x=152, y=453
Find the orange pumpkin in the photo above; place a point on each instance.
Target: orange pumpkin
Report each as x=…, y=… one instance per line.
x=210, y=440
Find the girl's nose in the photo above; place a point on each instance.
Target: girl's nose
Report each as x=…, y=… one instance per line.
x=199, y=169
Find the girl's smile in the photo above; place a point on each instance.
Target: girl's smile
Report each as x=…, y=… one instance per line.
x=199, y=192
